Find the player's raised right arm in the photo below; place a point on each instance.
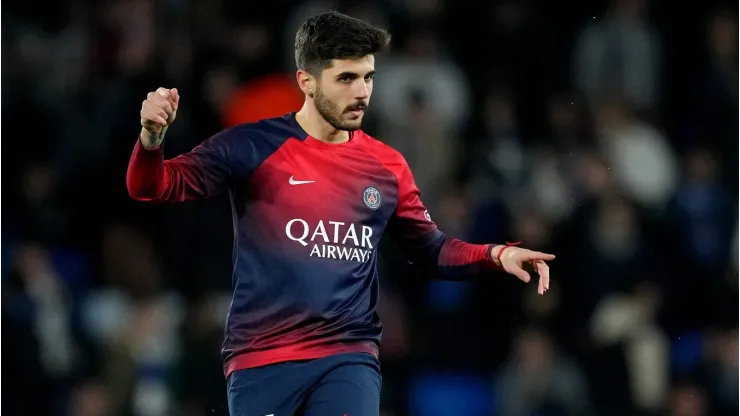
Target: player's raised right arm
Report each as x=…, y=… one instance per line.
x=201, y=173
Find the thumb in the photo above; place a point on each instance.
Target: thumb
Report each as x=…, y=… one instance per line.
x=175, y=97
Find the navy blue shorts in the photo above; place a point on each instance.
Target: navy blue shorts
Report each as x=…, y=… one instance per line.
x=338, y=385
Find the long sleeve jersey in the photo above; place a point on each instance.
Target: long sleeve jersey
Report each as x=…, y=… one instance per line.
x=307, y=217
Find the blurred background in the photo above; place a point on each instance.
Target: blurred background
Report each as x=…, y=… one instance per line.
x=604, y=132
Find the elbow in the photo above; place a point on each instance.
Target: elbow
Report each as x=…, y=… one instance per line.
x=137, y=193
x=139, y=189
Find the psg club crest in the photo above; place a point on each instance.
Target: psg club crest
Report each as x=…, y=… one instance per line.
x=371, y=196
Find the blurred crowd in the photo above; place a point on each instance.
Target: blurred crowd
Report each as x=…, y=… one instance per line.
x=603, y=132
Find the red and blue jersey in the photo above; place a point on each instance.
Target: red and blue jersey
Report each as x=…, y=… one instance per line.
x=308, y=217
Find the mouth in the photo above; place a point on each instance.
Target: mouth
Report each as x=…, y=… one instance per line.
x=357, y=111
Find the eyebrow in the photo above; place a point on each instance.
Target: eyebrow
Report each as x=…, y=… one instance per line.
x=353, y=75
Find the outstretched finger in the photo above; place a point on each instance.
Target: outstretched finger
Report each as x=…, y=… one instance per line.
x=536, y=255
x=543, y=270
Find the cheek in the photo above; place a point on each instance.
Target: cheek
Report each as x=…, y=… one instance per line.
x=331, y=94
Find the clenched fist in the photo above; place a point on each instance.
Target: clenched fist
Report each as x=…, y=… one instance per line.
x=158, y=111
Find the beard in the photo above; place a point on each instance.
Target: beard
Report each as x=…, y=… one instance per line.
x=334, y=116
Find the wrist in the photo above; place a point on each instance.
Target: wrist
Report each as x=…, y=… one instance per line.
x=152, y=141
x=497, y=251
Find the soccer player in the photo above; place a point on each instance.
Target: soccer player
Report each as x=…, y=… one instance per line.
x=311, y=196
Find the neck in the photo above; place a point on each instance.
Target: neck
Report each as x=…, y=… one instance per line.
x=314, y=124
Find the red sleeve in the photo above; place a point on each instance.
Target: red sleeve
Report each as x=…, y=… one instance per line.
x=201, y=173
x=412, y=227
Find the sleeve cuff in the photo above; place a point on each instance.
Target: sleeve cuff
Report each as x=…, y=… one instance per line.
x=140, y=147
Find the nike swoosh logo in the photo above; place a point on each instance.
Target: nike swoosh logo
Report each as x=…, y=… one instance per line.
x=295, y=182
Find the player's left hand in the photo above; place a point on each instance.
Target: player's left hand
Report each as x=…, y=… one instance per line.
x=520, y=261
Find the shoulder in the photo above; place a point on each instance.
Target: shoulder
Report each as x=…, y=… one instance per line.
x=267, y=131
x=389, y=157
x=251, y=143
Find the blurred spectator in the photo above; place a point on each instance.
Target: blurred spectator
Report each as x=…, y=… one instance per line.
x=200, y=382
x=136, y=323
x=41, y=214
x=44, y=354
x=719, y=94
x=422, y=68
x=642, y=162
x=703, y=211
x=554, y=164
x=426, y=144
x=266, y=97
x=498, y=159
x=540, y=379
x=629, y=321
x=615, y=255
x=620, y=55
x=721, y=84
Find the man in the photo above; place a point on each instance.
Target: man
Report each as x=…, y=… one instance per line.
x=311, y=196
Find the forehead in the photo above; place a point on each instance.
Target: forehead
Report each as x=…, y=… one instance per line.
x=355, y=65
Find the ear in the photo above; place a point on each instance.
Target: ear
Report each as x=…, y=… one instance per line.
x=306, y=82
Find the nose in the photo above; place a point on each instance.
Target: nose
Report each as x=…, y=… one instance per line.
x=362, y=92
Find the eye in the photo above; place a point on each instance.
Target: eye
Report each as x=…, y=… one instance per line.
x=369, y=77
x=345, y=79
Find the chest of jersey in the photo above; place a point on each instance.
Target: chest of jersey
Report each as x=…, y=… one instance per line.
x=339, y=196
